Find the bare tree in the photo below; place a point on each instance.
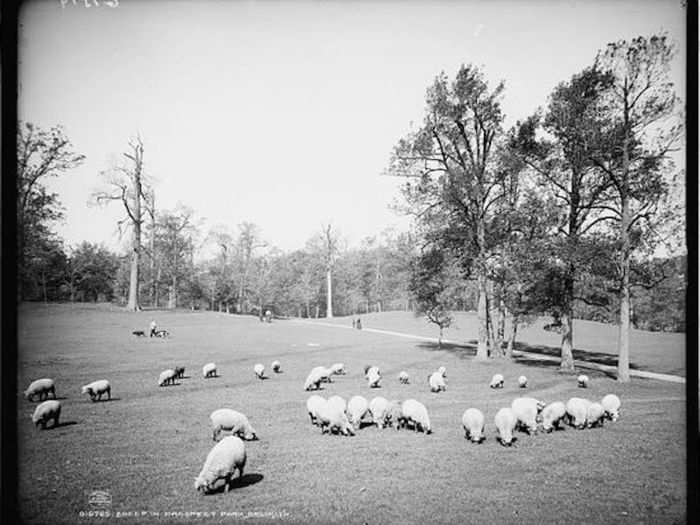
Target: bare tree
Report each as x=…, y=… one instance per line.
x=126, y=183
x=248, y=241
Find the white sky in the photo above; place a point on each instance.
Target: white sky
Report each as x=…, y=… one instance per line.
x=285, y=113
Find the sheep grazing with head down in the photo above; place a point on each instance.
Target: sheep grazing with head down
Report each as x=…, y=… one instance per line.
x=225, y=419
x=45, y=412
x=276, y=366
x=611, y=404
x=167, y=377
x=331, y=419
x=522, y=382
x=437, y=382
x=582, y=381
x=96, y=389
x=373, y=377
x=552, y=415
x=505, y=421
x=227, y=456
x=259, y=370
x=415, y=414
x=42, y=388
x=209, y=370
x=357, y=409
x=473, y=424
x=595, y=415
x=526, y=410
x=338, y=369
x=379, y=408
x=496, y=381
x=316, y=377
x=577, y=411
x=313, y=406
x=403, y=377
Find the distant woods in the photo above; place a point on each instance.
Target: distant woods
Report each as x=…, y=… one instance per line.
x=560, y=215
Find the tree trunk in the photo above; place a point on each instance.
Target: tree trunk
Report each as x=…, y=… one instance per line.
x=567, y=324
x=511, y=339
x=133, y=303
x=623, y=360
x=172, y=299
x=317, y=310
x=329, y=294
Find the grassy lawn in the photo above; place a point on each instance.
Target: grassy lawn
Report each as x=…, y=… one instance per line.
x=146, y=445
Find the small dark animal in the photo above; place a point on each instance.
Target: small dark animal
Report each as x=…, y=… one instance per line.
x=180, y=372
x=139, y=333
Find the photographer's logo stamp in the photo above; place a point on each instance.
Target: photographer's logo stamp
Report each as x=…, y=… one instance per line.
x=100, y=500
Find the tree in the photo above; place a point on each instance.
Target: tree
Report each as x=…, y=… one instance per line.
x=126, y=183
x=639, y=126
x=330, y=251
x=248, y=241
x=174, y=243
x=450, y=168
x=92, y=269
x=41, y=155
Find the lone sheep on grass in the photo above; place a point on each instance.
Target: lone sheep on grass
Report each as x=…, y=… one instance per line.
x=522, y=382
x=373, y=377
x=167, y=377
x=209, y=370
x=496, y=381
x=259, y=370
x=437, y=382
x=97, y=388
x=231, y=421
x=276, y=366
x=473, y=424
x=227, y=456
x=42, y=388
x=338, y=369
x=403, y=377
x=582, y=381
x=45, y=412
x=316, y=377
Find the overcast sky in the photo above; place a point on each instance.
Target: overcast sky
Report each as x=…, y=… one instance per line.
x=285, y=113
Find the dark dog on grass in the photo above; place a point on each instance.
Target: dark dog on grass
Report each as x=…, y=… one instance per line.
x=139, y=333
x=162, y=333
x=180, y=372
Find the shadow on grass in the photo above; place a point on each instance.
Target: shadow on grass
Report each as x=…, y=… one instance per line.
x=105, y=400
x=464, y=350
x=239, y=483
x=62, y=424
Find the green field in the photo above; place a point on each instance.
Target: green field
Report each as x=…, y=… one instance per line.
x=146, y=445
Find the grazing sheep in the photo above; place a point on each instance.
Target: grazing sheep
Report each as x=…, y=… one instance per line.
x=526, y=410
x=496, y=381
x=259, y=370
x=338, y=369
x=209, y=370
x=373, y=377
x=403, y=377
x=522, y=382
x=331, y=419
x=179, y=372
x=394, y=414
x=473, y=423
x=227, y=456
x=582, y=381
x=505, y=423
x=166, y=377
x=357, y=408
x=313, y=405
x=337, y=402
x=437, y=382
x=316, y=377
x=46, y=411
x=611, y=404
x=552, y=415
x=595, y=415
x=379, y=408
x=415, y=412
x=577, y=411
x=235, y=422
x=162, y=333
x=97, y=388
x=325, y=373
x=371, y=370
x=42, y=388
x=276, y=366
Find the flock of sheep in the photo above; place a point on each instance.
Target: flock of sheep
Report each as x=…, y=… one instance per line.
x=335, y=416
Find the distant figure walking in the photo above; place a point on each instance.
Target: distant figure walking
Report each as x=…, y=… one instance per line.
x=268, y=316
x=358, y=325
x=153, y=328
x=353, y=322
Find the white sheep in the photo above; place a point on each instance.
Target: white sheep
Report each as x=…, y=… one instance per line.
x=42, y=388
x=259, y=370
x=577, y=411
x=276, y=366
x=526, y=410
x=552, y=415
x=227, y=456
x=313, y=405
x=338, y=369
x=97, y=388
x=166, y=377
x=473, y=424
x=357, y=408
x=331, y=419
x=379, y=407
x=611, y=404
x=373, y=377
x=325, y=372
x=45, y=412
x=595, y=415
x=414, y=412
x=209, y=370
x=582, y=381
x=233, y=421
x=403, y=377
x=316, y=377
x=505, y=421
x=337, y=402
x=522, y=382
x=437, y=382
x=371, y=369
x=496, y=381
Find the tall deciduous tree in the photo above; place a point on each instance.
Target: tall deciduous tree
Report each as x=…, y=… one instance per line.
x=126, y=184
x=449, y=161
x=640, y=124
x=249, y=240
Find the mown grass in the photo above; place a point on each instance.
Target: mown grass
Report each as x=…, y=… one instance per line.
x=146, y=445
